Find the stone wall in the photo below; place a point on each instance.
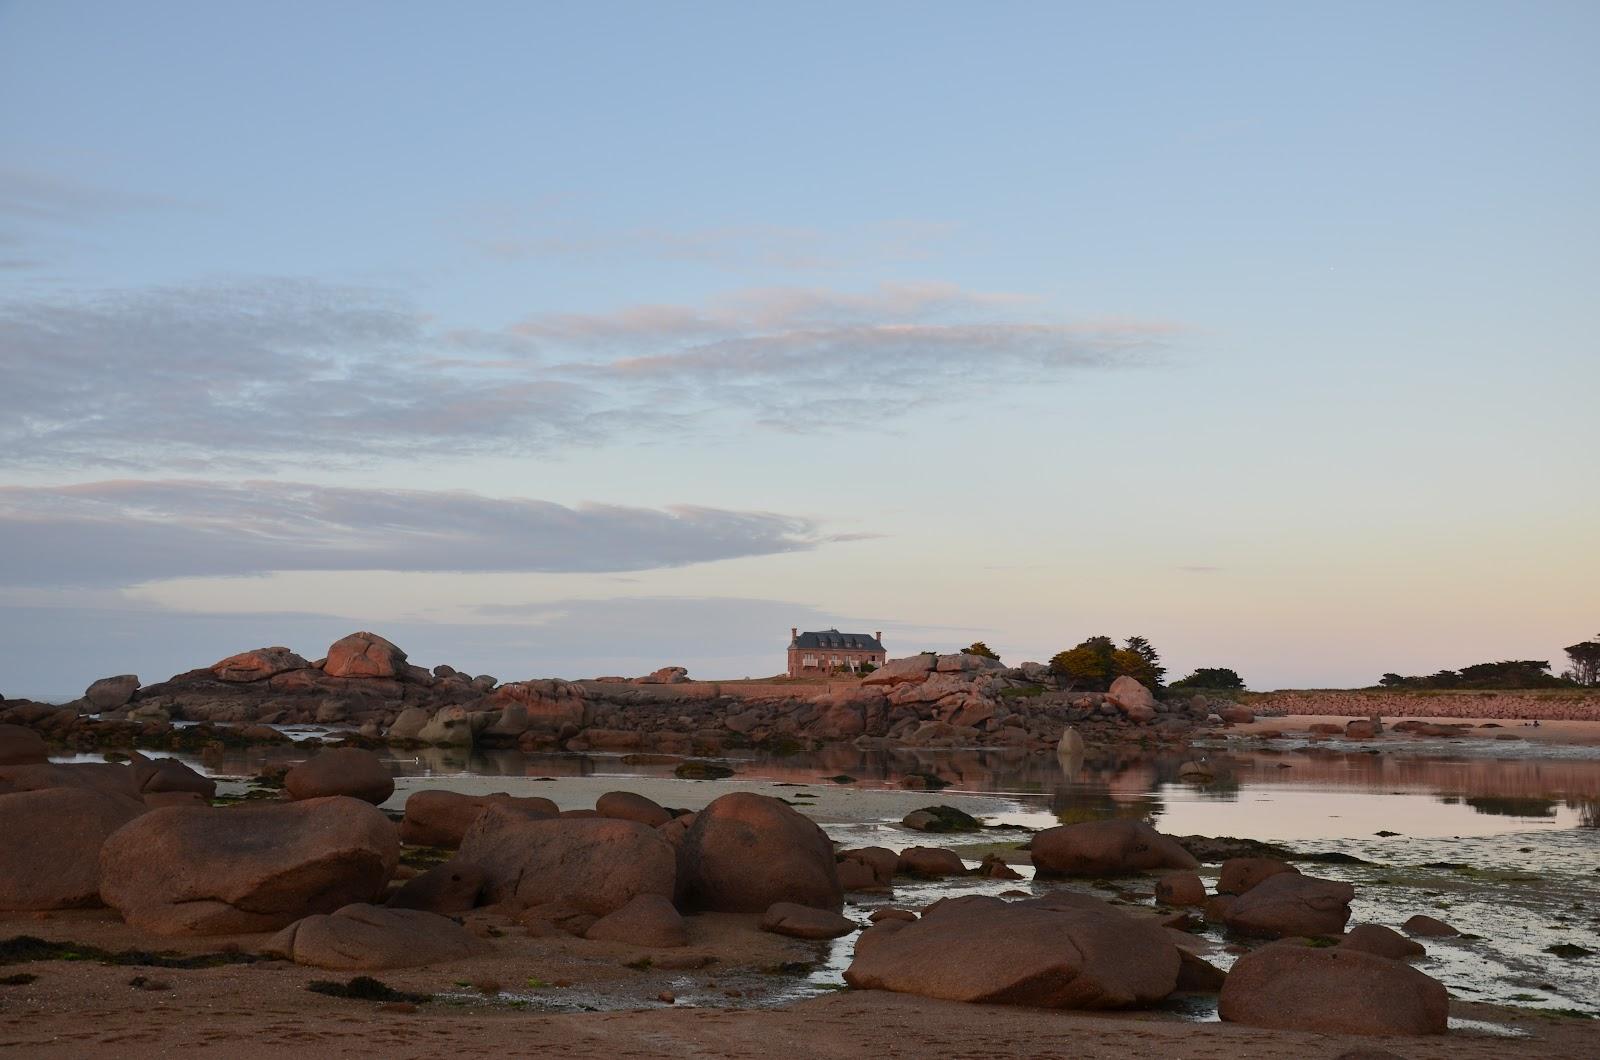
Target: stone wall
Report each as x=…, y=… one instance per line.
x=1576, y=705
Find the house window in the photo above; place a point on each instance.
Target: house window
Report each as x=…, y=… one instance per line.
x=809, y=660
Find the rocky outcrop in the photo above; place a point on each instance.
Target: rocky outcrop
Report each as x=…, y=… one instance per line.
x=50, y=841
x=180, y=871
x=987, y=951
x=364, y=655
x=109, y=693
x=367, y=938
x=745, y=851
x=1106, y=848
x=366, y=682
x=1332, y=991
x=257, y=665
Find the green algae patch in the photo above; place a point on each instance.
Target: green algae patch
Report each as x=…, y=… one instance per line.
x=20, y=949
x=365, y=988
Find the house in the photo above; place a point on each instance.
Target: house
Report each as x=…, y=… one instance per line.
x=828, y=651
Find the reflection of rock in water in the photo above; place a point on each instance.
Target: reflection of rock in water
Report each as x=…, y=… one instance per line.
x=1512, y=806
x=1097, y=802
x=1069, y=753
x=1588, y=812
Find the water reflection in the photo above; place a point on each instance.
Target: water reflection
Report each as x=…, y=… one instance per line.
x=1094, y=783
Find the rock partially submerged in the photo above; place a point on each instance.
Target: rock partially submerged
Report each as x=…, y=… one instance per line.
x=340, y=771
x=1106, y=848
x=1292, y=904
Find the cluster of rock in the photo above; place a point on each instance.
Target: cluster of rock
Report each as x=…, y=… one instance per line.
x=365, y=682
x=321, y=871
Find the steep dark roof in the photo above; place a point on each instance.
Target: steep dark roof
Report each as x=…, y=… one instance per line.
x=832, y=638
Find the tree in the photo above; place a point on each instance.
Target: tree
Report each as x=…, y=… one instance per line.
x=1129, y=663
x=978, y=647
x=1097, y=661
x=1218, y=677
x=1149, y=660
x=1585, y=656
x=1089, y=664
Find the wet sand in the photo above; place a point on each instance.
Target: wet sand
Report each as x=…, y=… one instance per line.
x=84, y=1009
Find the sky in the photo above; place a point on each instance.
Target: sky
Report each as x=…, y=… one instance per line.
x=581, y=339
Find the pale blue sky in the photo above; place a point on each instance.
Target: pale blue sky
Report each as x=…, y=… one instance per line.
x=1265, y=330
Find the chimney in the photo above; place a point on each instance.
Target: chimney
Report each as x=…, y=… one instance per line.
x=794, y=631
x=878, y=636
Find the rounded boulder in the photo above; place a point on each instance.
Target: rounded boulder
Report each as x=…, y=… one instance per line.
x=191, y=871
x=1106, y=848
x=746, y=851
x=341, y=771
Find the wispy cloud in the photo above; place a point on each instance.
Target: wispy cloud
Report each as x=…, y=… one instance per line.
x=127, y=532
x=244, y=375
x=511, y=235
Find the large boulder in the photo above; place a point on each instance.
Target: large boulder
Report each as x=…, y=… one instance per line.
x=899, y=671
x=1291, y=904
x=437, y=818
x=366, y=938
x=50, y=842
x=450, y=727
x=408, y=723
x=109, y=693
x=340, y=771
x=1130, y=697
x=595, y=864
x=646, y=920
x=364, y=655
x=1106, y=848
x=257, y=665
x=20, y=746
x=747, y=851
x=1332, y=991
x=991, y=952
x=187, y=871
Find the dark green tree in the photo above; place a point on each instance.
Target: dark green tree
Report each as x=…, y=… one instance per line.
x=978, y=647
x=1215, y=677
x=1585, y=656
